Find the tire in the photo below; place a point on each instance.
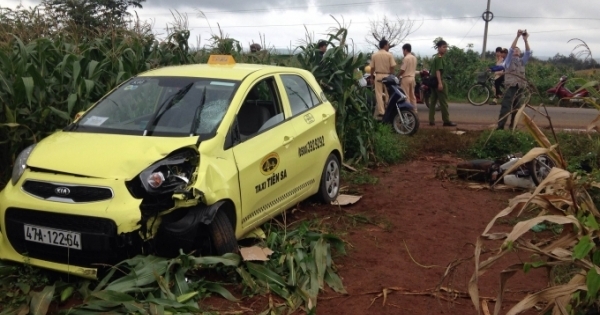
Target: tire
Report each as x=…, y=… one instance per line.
x=426, y=96
x=222, y=235
x=540, y=167
x=478, y=94
x=412, y=125
x=329, y=187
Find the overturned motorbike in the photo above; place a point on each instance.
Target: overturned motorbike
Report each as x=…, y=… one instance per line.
x=399, y=112
x=527, y=175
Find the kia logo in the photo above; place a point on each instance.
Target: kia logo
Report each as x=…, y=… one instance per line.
x=62, y=191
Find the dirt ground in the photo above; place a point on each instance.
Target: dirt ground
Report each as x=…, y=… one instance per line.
x=438, y=219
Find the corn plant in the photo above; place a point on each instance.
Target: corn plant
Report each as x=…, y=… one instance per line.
x=563, y=200
x=336, y=74
x=45, y=81
x=298, y=269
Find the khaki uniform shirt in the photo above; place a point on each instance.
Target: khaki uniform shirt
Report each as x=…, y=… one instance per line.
x=409, y=65
x=382, y=61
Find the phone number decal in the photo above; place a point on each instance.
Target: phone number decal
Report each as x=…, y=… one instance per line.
x=311, y=146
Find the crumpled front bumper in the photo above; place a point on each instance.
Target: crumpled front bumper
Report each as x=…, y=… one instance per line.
x=102, y=224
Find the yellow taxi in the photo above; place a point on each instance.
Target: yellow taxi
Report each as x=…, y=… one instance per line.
x=187, y=158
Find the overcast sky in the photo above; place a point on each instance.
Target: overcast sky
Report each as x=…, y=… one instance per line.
x=551, y=23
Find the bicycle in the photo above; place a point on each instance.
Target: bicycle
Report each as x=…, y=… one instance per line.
x=480, y=92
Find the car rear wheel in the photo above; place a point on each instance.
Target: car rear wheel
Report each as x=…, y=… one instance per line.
x=329, y=188
x=222, y=235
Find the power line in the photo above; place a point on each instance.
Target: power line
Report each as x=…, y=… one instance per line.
x=547, y=18
x=468, y=32
x=330, y=23
x=282, y=8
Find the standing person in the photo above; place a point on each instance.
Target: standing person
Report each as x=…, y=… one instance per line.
x=514, y=78
x=322, y=46
x=407, y=74
x=438, y=66
x=382, y=65
x=498, y=76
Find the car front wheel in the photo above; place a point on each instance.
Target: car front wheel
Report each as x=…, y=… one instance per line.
x=222, y=235
x=330, y=180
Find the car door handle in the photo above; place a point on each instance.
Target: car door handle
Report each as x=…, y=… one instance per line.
x=287, y=140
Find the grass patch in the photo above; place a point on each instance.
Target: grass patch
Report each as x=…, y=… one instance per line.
x=582, y=151
x=440, y=141
x=360, y=177
x=389, y=147
x=492, y=144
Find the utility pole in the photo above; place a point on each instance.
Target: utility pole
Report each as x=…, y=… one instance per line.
x=487, y=16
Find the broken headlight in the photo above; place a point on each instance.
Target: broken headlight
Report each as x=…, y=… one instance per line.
x=21, y=164
x=169, y=174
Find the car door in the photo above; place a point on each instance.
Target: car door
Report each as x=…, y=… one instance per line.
x=263, y=152
x=311, y=123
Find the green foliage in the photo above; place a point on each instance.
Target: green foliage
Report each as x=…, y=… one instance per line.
x=389, y=146
x=582, y=151
x=45, y=82
x=301, y=265
x=497, y=143
x=336, y=74
x=16, y=284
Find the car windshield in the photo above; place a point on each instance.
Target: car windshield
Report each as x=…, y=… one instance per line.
x=165, y=106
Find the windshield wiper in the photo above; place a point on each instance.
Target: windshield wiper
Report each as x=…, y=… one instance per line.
x=155, y=116
x=198, y=114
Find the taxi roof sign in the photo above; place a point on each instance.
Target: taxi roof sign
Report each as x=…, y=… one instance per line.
x=221, y=60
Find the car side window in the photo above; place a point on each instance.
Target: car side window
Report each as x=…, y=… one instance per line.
x=261, y=109
x=299, y=93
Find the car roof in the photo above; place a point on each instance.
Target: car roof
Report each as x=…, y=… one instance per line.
x=227, y=72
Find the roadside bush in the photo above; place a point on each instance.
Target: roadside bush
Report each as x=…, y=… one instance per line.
x=389, y=146
x=582, y=151
x=497, y=143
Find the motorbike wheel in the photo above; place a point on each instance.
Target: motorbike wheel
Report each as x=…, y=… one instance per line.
x=478, y=94
x=426, y=97
x=540, y=167
x=410, y=125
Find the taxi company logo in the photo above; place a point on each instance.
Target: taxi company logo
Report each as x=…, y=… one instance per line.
x=62, y=191
x=269, y=164
x=309, y=118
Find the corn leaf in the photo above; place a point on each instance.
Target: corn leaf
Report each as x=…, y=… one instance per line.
x=28, y=84
x=219, y=289
x=582, y=248
x=60, y=113
x=40, y=301
x=592, y=283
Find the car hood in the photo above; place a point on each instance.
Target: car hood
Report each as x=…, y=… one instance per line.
x=102, y=155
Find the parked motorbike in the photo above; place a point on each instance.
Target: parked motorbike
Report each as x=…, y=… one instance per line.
x=565, y=95
x=422, y=91
x=527, y=176
x=399, y=112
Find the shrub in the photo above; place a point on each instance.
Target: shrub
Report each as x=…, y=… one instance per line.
x=497, y=143
x=389, y=146
x=582, y=151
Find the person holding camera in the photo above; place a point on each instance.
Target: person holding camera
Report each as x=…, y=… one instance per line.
x=514, y=78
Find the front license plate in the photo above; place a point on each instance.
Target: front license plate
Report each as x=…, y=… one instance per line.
x=54, y=237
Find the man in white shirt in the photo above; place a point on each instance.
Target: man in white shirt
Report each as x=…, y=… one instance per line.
x=407, y=74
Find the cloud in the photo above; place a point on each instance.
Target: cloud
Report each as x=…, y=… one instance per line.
x=282, y=22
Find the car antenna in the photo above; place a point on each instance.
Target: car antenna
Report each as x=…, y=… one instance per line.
x=155, y=117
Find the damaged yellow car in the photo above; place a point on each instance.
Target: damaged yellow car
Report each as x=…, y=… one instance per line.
x=188, y=158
